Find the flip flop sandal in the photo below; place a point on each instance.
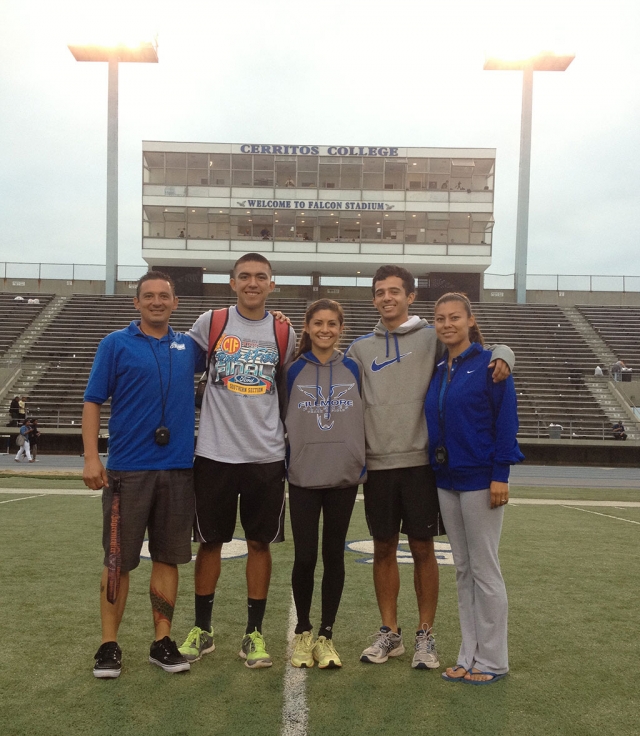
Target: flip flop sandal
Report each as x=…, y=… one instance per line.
x=455, y=679
x=494, y=678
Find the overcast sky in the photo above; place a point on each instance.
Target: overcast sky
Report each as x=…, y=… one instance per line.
x=395, y=73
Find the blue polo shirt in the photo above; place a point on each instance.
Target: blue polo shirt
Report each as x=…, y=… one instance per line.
x=127, y=368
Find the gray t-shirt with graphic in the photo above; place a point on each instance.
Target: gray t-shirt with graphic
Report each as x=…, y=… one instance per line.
x=240, y=417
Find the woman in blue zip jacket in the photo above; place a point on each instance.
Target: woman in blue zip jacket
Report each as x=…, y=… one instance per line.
x=472, y=425
x=325, y=429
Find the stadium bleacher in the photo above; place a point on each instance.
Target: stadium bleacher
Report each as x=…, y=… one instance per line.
x=17, y=314
x=619, y=328
x=552, y=362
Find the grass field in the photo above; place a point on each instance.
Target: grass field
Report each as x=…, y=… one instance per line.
x=573, y=583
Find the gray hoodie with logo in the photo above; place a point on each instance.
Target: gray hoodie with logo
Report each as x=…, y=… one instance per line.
x=396, y=370
x=323, y=417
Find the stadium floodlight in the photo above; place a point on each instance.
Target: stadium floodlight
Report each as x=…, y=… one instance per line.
x=113, y=53
x=544, y=61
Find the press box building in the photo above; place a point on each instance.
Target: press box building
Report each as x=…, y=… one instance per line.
x=319, y=210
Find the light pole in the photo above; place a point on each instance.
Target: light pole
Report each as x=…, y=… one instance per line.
x=143, y=52
x=545, y=61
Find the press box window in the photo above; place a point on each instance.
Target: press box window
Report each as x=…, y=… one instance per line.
x=220, y=167
x=153, y=168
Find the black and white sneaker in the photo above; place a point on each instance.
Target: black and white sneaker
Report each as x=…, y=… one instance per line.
x=108, y=660
x=165, y=654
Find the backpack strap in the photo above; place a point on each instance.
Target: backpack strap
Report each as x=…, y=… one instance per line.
x=219, y=319
x=281, y=332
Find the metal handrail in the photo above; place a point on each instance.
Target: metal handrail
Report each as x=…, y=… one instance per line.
x=615, y=282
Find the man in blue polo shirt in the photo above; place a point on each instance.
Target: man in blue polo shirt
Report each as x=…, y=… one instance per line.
x=147, y=370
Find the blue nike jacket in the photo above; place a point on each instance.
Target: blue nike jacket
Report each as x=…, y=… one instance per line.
x=475, y=419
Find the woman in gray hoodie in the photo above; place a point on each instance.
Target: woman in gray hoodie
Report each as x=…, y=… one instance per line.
x=325, y=429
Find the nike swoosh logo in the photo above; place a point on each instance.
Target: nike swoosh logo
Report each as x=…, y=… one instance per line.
x=473, y=371
x=375, y=366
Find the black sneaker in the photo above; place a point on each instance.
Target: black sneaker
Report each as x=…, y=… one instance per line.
x=108, y=660
x=165, y=654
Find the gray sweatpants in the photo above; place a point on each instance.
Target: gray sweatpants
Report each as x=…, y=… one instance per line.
x=473, y=528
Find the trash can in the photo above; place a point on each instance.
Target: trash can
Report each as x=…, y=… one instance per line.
x=555, y=432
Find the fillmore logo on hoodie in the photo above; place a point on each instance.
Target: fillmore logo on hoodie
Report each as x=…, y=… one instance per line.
x=323, y=407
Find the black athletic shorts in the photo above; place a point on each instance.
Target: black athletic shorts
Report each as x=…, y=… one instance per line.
x=158, y=500
x=402, y=500
x=262, y=501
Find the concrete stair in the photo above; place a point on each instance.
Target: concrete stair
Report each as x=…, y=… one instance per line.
x=605, y=357
x=20, y=376
x=613, y=404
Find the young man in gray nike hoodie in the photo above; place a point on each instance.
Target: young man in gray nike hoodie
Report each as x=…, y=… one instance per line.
x=397, y=361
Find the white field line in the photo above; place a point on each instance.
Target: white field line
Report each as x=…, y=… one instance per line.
x=24, y=498
x=572, y=502
x=54, y=491
x=295, y=711
x=597, y=513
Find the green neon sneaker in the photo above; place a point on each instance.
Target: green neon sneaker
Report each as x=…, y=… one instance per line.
x=302, y=650
x=325, y=654
x=198, y=642
x=253, y=651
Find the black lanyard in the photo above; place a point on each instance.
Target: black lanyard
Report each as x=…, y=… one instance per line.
x=164, y=397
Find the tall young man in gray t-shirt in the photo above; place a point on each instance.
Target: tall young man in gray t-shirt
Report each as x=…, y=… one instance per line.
x=240, y=453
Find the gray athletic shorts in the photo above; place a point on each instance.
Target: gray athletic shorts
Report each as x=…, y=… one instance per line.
x=160, y=500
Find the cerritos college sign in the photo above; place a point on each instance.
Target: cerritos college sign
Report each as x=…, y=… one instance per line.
x=313, y=204
x=290, y=150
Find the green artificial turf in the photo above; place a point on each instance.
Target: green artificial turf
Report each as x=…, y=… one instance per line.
x=55, y=481
x=572, y=579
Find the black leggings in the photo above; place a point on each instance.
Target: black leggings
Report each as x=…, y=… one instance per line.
x=305, y=505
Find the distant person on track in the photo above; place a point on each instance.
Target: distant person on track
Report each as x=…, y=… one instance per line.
x=147, y=370
x=34, y=436
x=240, y=453
x=325, y=427
x=400, y=495
x=24, y=442
x=472, y=425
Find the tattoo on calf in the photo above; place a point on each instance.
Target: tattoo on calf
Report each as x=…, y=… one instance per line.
x=161, y=607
